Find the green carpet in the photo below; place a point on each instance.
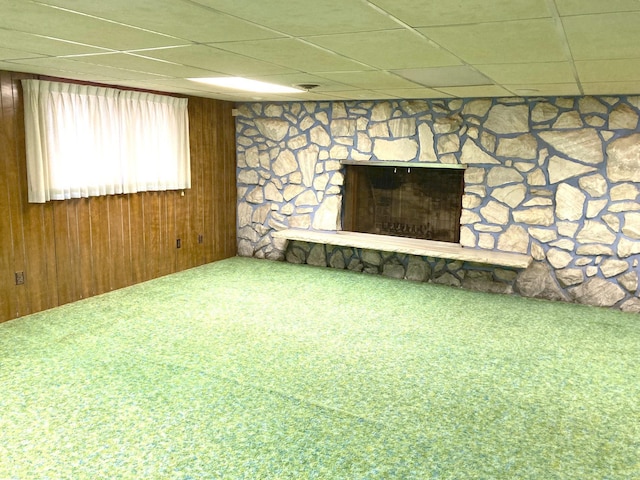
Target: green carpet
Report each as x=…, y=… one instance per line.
x=251, y=369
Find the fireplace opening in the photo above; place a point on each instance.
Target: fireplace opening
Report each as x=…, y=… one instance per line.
x=404, y=201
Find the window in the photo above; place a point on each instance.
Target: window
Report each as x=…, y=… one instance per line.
x=86, y=141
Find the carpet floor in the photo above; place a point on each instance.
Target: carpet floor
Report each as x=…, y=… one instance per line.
x=251, y=369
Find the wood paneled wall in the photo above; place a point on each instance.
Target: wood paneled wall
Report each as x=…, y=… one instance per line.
x=73, y=249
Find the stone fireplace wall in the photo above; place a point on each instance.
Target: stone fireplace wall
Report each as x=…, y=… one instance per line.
x=555, y=178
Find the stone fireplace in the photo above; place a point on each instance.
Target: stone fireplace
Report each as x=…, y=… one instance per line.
x=403, y=200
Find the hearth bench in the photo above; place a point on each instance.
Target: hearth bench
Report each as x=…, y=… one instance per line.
x=412, y=246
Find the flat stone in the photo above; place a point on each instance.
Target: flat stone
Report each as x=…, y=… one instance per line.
x=631, y=226
x=478, y=108
x=292, y=191
x=307, y=159
x=559, y=258
x=472, y=154
x=255, y=196
x=381, y=112
x=543, y=112
x=624, y=207
x=486, y=241
x=285, y=163
x=504, y=119
x=514, y=239
x=625, y=191
x=591, y=105
x=426, y=141
x=612, y=221
x=447, y=124
x=537, y=252
x=570, y=276
x=569, y=202
x=523, y=146
x=512, y=195
x=403, y=149
x=488, y=141
x=534, y=216
x=594, y=185
x=320, y=136
x=273, y=129
x=244, y=214
x=327, y=216
x=252, y=157
x=544, y=235
x=564, y=244
x=471, y=201
x=561, y=169
x=249, y=177
x=594, y=249
x=307, y=198
x=596, y=232
x=502, y=175
x=629, y=281
x=623, y=117
x=594, y=207
x=536, y=178
x=343, y=128
x=474, y=175
x=538, y=202
x=495, y=212
x=379, y=130
x=584, y=145
x=623, y=159
x=626, y=248
x=612, y=267
x=568, y=120
x=538, y=282
x=598, y=292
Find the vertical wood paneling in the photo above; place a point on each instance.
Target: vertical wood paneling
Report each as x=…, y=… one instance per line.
x=76, y=248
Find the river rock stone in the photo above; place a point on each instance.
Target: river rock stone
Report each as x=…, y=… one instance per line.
x=538, y=282
x=623, y=162
x=597, y=292
x=417, y=269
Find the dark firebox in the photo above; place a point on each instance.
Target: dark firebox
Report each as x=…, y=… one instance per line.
x=404, y=201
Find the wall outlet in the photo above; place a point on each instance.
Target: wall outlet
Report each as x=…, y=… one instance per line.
x=200, y=238
x=178, y=243
x=19, y=278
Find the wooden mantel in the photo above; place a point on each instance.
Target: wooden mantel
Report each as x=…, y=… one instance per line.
x=412, y=246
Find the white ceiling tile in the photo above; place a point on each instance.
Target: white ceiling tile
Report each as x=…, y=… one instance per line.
x=600, y=71
x=521, y=73
x=610, y=35
x=41, y=45
x=581, y=7
x=420, y=13
x=546, y=89
x=295, y=79
x=476, y=91
x=415, y=93
x=370, y=80
x=307, y=17
x=196, y=22
x=388, y=50
x=85, y=68
x=35, y=18
x=215, y=60
x=521, y=41
x=611, y=88
x=455, y=76
x=8, y=54
x=292, y=53
x=135, y=62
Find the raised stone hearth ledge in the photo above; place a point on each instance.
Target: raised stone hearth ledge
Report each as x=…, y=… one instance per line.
x=411, y=246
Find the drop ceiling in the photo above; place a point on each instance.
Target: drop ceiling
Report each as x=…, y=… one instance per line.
x=351, y=49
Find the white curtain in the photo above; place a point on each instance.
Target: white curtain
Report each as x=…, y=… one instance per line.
x=86, y=141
